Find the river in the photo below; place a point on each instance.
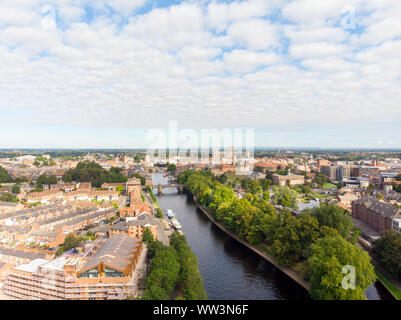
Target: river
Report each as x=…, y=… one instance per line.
x=229, y=269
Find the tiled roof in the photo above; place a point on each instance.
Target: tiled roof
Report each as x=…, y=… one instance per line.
x=382, y=208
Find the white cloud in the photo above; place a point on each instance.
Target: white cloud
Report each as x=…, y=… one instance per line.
x=316, y=50
x=244, y=61
x=210, y=65
x=125, y=7
x=255, y=34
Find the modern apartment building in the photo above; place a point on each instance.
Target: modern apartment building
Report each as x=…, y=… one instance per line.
x=330, y=171
x=108, y=270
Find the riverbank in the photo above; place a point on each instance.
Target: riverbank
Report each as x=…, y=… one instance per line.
x=289, y=272
x=392, y=288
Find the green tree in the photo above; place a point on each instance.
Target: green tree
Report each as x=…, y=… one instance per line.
x=306, y=189
x=265, y=184
x=8, y=197
x=147, y=237
x=15, y=189
x=90, y=171
x=172, y=168
x=328, y=258
x=223, y=179
x=164, y=273
x=44, y=179
x=251, y=186
x=71, y=242
x=320, y=179
x=334, y=217
x=190, y=279
x=293, y=237
x=159, y=213
x=285, y=197
x=387, y=251
x=4, y=176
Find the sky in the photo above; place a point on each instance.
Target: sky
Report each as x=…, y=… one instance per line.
x=101, y=74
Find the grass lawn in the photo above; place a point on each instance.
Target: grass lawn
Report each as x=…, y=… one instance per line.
x=389, y=285
x=328, y=185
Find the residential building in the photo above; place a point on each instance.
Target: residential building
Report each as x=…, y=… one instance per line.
x=378, y=215
x=109, y=270
x=330, y=171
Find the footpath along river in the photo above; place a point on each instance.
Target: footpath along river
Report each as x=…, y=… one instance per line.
x=229, y=269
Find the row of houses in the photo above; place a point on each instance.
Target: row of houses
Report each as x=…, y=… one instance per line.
x=49, y=196
x=52, y=232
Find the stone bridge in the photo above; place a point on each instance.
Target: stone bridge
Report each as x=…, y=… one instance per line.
x=160, y=187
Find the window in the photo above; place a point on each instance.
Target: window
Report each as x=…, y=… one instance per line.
x=92, y=273
x=111, y=273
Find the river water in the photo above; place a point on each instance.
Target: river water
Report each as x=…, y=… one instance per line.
x=229, y=269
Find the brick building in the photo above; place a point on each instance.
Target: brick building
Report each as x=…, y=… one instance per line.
x=378, y=215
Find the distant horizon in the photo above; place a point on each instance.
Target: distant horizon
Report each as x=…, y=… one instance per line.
x=283, y=149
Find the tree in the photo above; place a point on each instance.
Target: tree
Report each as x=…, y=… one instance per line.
x=285, y=197
x=259, y=169
x=8, y=197
x=90, y=171
x=4, y=176
x=44, y=179
x=265, y=184
x=164, y=273
x=328, y=258
x=120, y=189
x=306, y=189
x=223, y=179
x=67, y=177
x=266, y=196
x=334, y=217
x=138, y=176
x=190, y=279
x=137, y=158
x=171, y=168
x=320, y=179
x=293, y=237
x=159, y=213
x=147, y=237
x=15, y=189
x=252, y=186
x=71, y=242
x=387, y=251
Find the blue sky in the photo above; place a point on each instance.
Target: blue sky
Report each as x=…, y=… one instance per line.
x=101, y=74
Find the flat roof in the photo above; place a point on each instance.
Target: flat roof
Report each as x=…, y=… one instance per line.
x=31, y=266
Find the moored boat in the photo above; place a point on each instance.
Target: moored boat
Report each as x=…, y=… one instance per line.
x=170, y=213
x=176, y=224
